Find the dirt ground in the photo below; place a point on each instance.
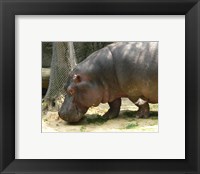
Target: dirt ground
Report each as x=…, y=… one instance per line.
x=94, y=122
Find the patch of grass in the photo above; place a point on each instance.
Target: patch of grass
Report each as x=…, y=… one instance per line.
x=154, y=114
x=154, y=117
x=130, y=119
x=83, y=128
x=98, y=119
x=129, y=113
x=131, y=125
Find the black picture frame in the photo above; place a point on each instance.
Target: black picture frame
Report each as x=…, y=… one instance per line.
x=10, y=8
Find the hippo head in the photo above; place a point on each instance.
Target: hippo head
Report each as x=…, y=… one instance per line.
x=82, y=93
x=70, y=111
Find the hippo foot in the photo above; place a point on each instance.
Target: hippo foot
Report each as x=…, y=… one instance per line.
x=142, y=114
x=110, y=114
x=113, y=112
x=143, y=111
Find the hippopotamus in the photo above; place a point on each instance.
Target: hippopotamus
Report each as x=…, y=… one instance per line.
x=121, y=69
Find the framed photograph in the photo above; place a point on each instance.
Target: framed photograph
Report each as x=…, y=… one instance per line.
x=104, y=95
x=99, y=86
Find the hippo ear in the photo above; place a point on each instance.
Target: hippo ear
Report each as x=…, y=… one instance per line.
x=77, y=78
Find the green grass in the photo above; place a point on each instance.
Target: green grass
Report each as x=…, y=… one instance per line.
x=129, y=113
x=83, y=128
x=131, y=125
x=154, y=117
x=98, y=119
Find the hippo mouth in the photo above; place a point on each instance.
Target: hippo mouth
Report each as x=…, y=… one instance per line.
x=74, y=115
x=72, y=118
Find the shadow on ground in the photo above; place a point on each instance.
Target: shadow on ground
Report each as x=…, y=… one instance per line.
x=125, y=114
x=95, y=122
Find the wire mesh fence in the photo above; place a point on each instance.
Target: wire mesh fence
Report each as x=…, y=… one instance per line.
x=65, y=56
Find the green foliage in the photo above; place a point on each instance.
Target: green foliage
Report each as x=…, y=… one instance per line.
x=129, y=113
x=83, y=128
x=46, y=54
x=154, y=117
x=131, y=125
x=84, y=49
x=153, y=114
x=98, y=119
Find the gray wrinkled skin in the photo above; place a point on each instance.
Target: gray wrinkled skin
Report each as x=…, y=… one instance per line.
x=122, y=69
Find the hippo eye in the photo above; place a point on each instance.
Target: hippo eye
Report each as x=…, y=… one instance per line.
x=70, y=91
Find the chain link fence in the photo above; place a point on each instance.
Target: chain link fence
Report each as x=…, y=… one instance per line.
x=65, y=56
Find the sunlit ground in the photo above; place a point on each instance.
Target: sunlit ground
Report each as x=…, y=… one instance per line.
x=94, y=122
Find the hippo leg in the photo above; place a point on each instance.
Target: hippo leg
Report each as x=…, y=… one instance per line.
x=143, y=111
x=114, y=109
